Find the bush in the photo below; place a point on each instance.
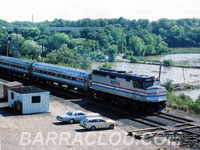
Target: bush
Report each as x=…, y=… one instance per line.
x=169, y=86
x=134, y=59
x=183, y=102
x=106, y=65
x=168, y=62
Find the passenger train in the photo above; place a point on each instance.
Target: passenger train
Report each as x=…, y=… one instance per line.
x=139, y=91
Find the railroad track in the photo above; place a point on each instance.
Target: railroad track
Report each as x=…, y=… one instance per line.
x=152, y=124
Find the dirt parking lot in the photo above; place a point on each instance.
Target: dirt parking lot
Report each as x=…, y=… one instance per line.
x=44, y=132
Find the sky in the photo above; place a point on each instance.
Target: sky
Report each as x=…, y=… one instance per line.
x=22, y=10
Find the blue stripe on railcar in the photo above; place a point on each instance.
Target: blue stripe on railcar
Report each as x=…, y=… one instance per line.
x=15, y=69
x=125, y=91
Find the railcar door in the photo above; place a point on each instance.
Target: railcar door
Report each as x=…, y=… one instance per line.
x=30, y=69
x=87, y=82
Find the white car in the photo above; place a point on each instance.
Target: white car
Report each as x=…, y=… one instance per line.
x=94, y=123
x=75, y=116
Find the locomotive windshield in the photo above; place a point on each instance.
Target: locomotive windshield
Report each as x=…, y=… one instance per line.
x=147, y=84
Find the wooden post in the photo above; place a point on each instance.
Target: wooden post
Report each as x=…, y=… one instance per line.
x=160, y=70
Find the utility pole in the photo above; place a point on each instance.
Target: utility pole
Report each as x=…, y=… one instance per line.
x=160, y=70
x=42, y=51
x=183, y=74
x=9, y=40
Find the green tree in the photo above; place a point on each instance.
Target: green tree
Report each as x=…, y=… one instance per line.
x=112, y=52
x=3, y=41
x=63, y=55
x=136, y=44
x=75, y=34
x=31, y=33
x=31, y=49
x=56, y=40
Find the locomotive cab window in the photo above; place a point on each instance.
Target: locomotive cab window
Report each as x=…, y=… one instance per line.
x=156, y=83
x=128, y=79
x=147, y=84
x=35, y=99
x=137, y=84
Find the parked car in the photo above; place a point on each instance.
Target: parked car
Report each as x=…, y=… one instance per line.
x=94, y=123
x=75, y=116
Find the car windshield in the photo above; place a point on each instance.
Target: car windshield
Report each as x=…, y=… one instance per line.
x=69, y=113
x=84, y=120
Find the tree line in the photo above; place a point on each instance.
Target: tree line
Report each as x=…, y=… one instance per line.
x=77, y=48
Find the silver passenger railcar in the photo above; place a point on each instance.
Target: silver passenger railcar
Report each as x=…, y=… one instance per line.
x=63, y=75
x=15, y=65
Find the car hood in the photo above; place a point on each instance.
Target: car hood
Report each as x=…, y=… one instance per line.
x=111, y=121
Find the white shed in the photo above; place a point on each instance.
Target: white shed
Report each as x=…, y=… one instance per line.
x=28, y=99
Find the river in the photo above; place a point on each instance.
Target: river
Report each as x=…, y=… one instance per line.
x=185, y=59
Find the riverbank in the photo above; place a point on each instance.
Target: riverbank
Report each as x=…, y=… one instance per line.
x=183, y=50
x=173, y=65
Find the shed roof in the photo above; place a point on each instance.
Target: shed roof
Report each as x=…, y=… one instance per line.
x=12, y=84
x=27, y=90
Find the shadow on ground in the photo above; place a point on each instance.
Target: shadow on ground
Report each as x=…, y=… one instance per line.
x=7, y=112
x=63, y=123
x=87, y=130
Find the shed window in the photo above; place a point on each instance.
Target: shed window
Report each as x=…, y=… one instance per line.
x=12, y=96
x=36, y=99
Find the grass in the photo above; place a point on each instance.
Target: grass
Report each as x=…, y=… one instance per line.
x=182, y=50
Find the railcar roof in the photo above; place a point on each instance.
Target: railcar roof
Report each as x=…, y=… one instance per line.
x=15, y=59
x=123, y=74
x=63, y=67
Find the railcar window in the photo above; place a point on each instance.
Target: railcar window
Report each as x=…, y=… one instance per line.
x=112, y=77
